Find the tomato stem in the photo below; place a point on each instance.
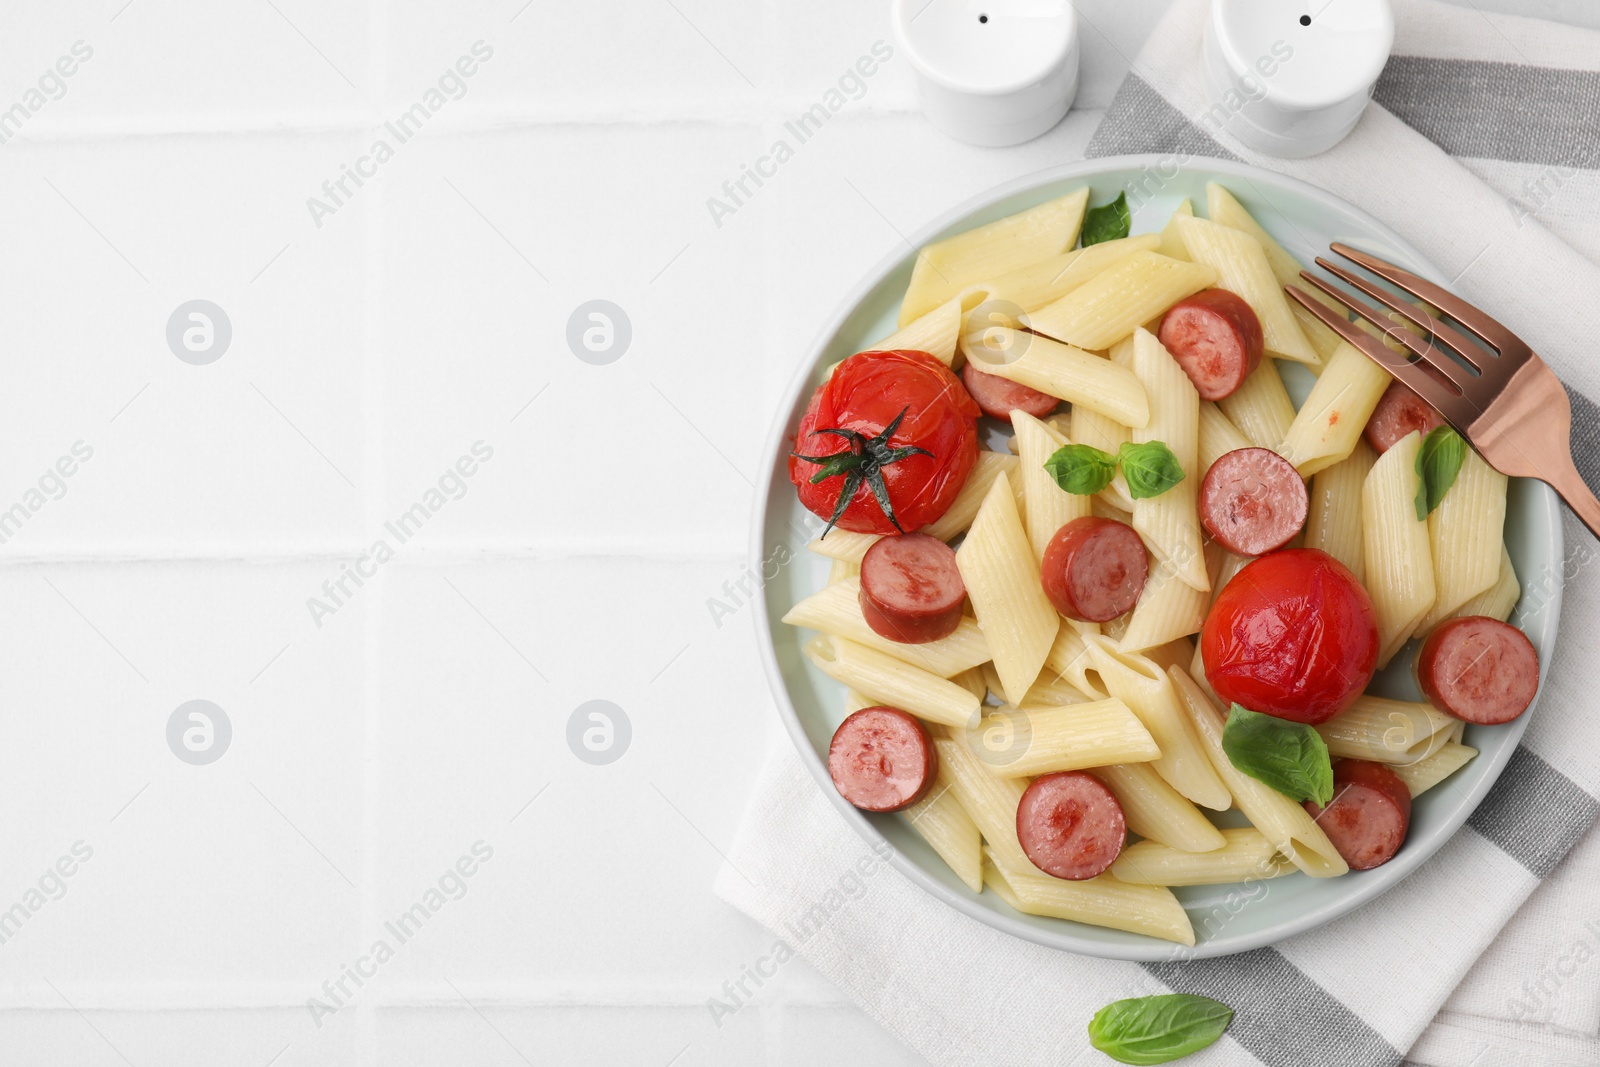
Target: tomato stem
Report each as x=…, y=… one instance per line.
x=862, y=460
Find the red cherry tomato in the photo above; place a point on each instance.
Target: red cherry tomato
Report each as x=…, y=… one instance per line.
x=920, y=466
x=1292, y=635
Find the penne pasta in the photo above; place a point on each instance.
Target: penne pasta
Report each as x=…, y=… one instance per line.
x=1242, y=268
x=1053, y=692
x=1069, y=373
x=1329, y=423
x=836, y=610
x=964, y=508
x=1002, y=580
x=1218, y=436
x=1386, y=731
x=1281, y=821
x=1397, y=558
x=1168, y=609
x=886, y=680
x=1466, y=534
x=945, y=267
x=1260, y=408
x=1245, y=856
x=1069, y=661
x=1102, y=901
x=1500, y=599
x=1144, y=687
x=1169, y=522
x=1037, y=284
x=937, y=331
x=973, y=681
x=1029, y=741
x=1334, y=521
x=989, y=800
x=941, y=821
x=854, y=701
x=1424, y=774
x=842, y=569
x=1171, y=244
x=1046, y=506
x=1130, y=293
x=844, y=544
x=1158, y=812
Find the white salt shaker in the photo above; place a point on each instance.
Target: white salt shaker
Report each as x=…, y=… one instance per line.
x=1290, y=78
x=991, y=72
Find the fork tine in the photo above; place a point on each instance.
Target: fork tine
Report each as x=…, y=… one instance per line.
x=1410, y=340
x=1443, y=395
x=1445, y=336
x=1502, y=340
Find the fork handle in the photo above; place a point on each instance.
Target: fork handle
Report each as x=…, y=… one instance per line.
x=1579, y=497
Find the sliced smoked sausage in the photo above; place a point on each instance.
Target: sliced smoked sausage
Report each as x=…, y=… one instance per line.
x=1399, y=412
x=1480, y=670
x=1216, y=338
x=1070, y=825
x=1252, y=501
x=1094, y=569
x=882, y=759
x=998, y=396
x=1369, y=814
x=911, y=590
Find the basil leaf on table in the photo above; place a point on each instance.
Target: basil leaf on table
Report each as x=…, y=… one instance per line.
x=1438, y=462
x=1291, y=757
x=1150, y=468
x=1107, y=222
x=1146, y=1030
x=1081, y=469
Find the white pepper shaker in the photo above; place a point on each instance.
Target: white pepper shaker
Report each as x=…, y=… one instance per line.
x=991, y=72
x=1291, y=78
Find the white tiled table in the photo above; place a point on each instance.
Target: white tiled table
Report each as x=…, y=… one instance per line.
x=375, y=743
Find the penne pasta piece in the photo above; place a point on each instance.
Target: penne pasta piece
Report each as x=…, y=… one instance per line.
x=937, y=331
x=1386, y=731
x=1260, y=408
x=1223, y=208
x=1158, y=812
x=964, y=508
x=1145, y=688
x=1242, y=268
x=1101, y=901
x=1038, y=284
x=941, y=821
x=972, y=680
x=1466, y=534
x=1500, y=599
x=1061, y=370
x=841, y=569
x=1197, y=674
x=1423, y=775
x=1329, y=423
x=1029, y=741
x=1069, y=660
x=989, y=800
x=1171, y=244
x=1130, y=293
x=1108, y=435
x=1169, y=523
x=1228, y=565
x=1046, y=506
x=1168, y=609
x=844, y=544
x=945, y=267
x=1396, y=555
x=1175, y=653
x=1245, y=856
x=1281, y=821
x=1333, y=522
x=886, y=680
x=1002, y=581
x=836, y=610
x=854, y=702
x=1054, y=692
x=1218, y=436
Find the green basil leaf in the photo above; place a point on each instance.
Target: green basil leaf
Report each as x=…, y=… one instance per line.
x=1438, y=462
x=1081, y=469
x=1107, y=222
x=1151, y=468
x=1291, y=757
x=1160, y=1029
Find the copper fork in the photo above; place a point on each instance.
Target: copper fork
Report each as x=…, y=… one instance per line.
x=1514, y=410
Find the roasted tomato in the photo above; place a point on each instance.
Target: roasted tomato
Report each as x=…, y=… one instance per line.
x=907, y=435
x=1292, y=635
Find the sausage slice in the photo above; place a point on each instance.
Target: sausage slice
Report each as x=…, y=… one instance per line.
x=997, y=396
x=911, y=589
x=882, y=759
x=1070, y=825
x=1369, y=814
x=1399, y=412
x=1480, y=670
x=1094, y=569
x=1252, y=501
x=1216, y=338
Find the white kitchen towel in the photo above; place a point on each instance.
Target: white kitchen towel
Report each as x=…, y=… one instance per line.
x=1359, y=991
